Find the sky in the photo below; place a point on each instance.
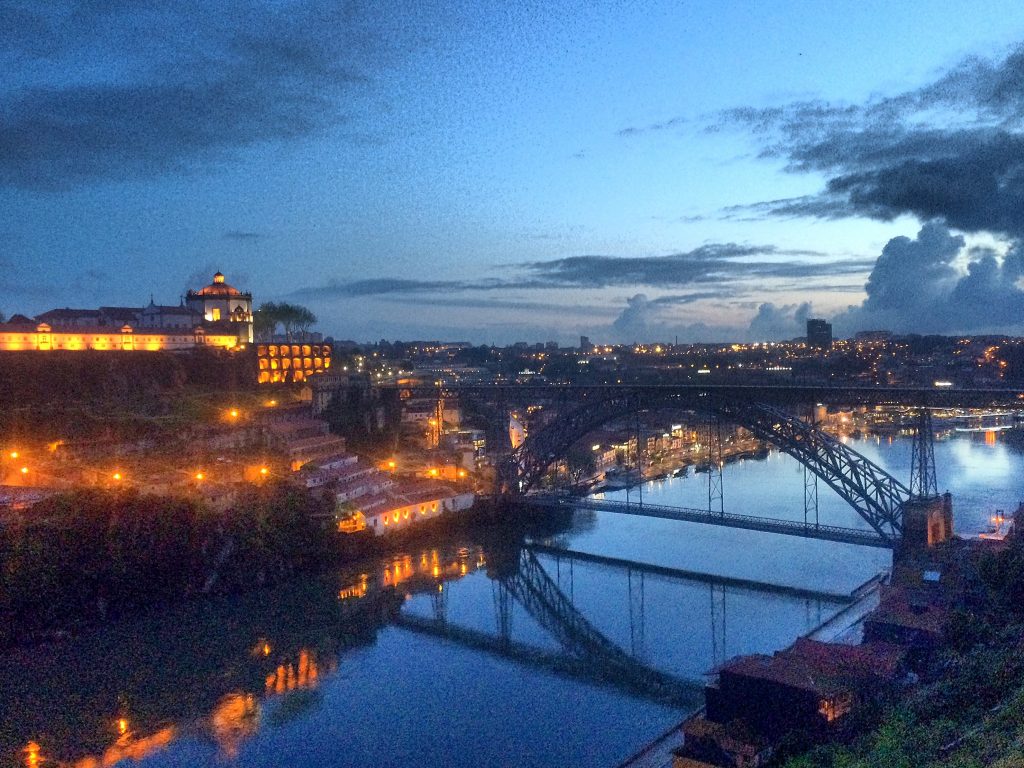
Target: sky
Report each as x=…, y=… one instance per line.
x=498, y=171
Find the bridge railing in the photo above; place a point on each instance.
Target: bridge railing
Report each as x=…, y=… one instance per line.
x=747, y=522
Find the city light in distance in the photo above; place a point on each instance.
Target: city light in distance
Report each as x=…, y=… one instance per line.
x=200, y=476
x=117, y=476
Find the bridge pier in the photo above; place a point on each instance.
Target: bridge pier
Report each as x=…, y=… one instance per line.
x=927, y=521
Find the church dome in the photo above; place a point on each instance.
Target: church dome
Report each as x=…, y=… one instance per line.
x=217, y=288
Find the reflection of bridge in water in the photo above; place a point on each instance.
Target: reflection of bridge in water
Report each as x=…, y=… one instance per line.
x=584, y=652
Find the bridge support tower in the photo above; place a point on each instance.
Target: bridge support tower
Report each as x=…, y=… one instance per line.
x=927, y=516
x=927, y=522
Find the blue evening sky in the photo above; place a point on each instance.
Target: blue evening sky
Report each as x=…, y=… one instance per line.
x=503, y=171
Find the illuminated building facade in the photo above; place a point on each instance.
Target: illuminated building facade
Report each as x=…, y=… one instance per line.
x=219, y=302
x=282, y=363
x=42, y=337
x=392, y=511
x=215, y=316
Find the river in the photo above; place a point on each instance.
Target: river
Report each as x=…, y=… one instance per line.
x=469, y=652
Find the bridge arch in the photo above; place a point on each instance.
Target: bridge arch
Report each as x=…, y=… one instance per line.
x=877, y=496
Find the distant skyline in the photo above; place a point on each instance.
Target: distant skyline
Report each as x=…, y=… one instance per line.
x=712, y=171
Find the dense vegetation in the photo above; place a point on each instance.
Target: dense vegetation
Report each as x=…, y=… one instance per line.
x=972, y=714
x=90, y=555
x=110, y=394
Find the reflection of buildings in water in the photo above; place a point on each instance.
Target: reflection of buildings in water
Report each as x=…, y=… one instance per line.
x=432, y=565
x=297, y=676
x=234, y=719
x=356, y=589
x=228, y=705
x=129, y=746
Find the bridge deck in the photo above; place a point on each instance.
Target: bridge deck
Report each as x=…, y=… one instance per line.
x=747, y=522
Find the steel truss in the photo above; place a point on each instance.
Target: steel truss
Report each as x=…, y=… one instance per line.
x=923, y=481
x=876, y=495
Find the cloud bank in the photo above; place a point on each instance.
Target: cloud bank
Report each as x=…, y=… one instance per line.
x=180, y=83
x=950, y=150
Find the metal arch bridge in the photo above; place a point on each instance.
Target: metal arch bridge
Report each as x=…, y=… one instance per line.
x=877, y=496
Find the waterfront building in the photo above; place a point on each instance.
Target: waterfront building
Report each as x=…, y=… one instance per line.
x=807, y=686
x=397, y=508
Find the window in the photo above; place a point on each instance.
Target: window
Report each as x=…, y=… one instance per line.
x=215, y=314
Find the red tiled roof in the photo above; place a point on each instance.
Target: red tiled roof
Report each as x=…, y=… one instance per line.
x=904, y=608
x=821, y=667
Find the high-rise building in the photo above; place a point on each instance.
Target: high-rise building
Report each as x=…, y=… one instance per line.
x=584, y=343
x=819, y=334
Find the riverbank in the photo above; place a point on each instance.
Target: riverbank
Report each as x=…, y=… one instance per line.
x=843, y=627
x=958, y=701
x=82, y=559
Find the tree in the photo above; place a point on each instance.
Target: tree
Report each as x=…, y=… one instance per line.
x=293, y=318
x=580, y=464
x=264, y=321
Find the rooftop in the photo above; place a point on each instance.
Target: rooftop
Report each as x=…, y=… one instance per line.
x=218, y=288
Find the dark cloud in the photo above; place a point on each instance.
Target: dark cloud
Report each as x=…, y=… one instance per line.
x=704, y=266
x=936, y=284
x=709, y=263
x=953, y=149
x=488, y=302
x=244, y=74
x=382, y=286
x=665, y=125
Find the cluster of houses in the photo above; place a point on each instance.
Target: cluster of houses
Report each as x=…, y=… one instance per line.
x=365, y=497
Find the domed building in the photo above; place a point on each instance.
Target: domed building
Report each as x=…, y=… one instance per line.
x=223, y=306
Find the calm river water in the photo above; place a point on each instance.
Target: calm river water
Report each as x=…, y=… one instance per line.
x=471, y=653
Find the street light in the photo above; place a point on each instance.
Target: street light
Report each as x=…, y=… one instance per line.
x=117, y=476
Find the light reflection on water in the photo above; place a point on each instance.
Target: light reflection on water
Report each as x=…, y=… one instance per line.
x=310, y=673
